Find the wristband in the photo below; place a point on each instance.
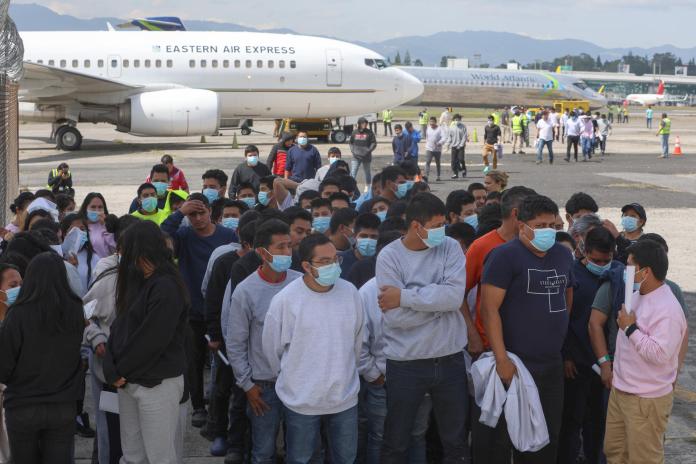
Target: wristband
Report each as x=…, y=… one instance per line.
x=630, y=329
x=603, y=359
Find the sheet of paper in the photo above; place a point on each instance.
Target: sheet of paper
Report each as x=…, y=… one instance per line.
x=89, y=309
x=630, y=275
x=108, y=402
x=220, y=354
x=71, y=243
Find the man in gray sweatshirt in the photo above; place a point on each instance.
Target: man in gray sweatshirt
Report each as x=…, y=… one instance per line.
x=312, y=337
x=250, y=302
x=457, y=137
x=422, y=278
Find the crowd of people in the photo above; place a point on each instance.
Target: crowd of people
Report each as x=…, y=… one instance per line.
x=388, y=326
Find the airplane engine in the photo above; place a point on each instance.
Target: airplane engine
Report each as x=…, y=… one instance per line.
x=173, y=112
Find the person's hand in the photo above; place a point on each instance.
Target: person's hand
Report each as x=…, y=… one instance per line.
x=625, y=318
x=607, y=374
x=506, y=370
x=120, y=382
x=258, y=405
x=569, y=368
x=611, y=228
x=389, y=298
x=379, y=381
x=214, y=346
x=475, y=345
x=192, y=206
x=72, y=259
x=100, y=350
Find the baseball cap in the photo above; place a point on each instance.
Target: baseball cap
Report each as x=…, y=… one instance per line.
x=637, y=208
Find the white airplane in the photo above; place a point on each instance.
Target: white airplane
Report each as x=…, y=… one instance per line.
x=648, y=99
x=190, y=83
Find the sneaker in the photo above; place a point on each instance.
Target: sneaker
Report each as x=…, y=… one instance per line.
x=82, y=427
x=219, y=447
x=233, y=456
x=514, y=152
x=199, y=418
x=456, y=176
x=463, y=173
x=522, y=153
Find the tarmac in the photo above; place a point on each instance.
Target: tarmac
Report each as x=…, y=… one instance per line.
x=116, y=164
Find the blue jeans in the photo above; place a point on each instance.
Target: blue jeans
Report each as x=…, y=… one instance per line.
x=665, y=145
x=303, y=436
x=649, y=123
x=375, y=405
x=264, y=429
x=540, y=149
x=408, y=382
x=355, y=165
x=586, y=143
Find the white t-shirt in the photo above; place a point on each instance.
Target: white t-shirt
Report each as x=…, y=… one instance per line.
x=545, y=130
x=553, y=119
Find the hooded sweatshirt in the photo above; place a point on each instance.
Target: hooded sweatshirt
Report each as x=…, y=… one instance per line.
x=362, y=144
x=279, y=154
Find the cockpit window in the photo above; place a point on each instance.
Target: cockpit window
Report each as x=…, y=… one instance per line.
x=580, y=85
x=375, y=63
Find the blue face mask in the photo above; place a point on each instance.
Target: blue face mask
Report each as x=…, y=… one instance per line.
x=596, y=269
x=11, y=294
x=472, y=221
x=636, y=285
x=401, y=190
x=382, y=215
x=333, y=159
x=328, y=275
x=280, y=263
x=367, y=246
x=302, y=140
x=149, y=204
x=250, y=201
x=161, y=188
x=435, y=237
x=252, y=160
x=211, y=195
x=321, y=224
x=264, y=198
x=409, y=184
x=543, y=239
x=230, y=223
x=93, y=216
x=629, y=223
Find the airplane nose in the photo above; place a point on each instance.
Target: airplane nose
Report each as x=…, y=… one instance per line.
x=412, y=88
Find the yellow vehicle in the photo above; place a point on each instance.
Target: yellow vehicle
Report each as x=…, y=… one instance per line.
x=323, y=129
x=570, y=105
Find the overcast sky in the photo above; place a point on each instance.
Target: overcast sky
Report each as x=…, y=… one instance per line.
x=609, y=23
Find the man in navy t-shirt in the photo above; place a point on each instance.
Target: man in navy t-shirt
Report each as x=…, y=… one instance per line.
x=303, y=160
x=526, y=296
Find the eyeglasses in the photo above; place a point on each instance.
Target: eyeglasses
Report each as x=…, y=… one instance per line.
x=325, y=262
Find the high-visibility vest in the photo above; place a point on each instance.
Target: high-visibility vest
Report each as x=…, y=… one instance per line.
x=54, y=173
x=496, y=118
x=517, y=124
x=387, y=115
x=666, y=126
x=158, y=218
x=423, y=118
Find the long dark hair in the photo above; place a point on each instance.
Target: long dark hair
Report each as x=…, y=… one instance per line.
x=143, y=241
x=91, y=196
x=65, y=228
x=45, y=289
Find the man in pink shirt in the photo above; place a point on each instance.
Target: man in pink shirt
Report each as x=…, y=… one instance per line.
x=646, y=362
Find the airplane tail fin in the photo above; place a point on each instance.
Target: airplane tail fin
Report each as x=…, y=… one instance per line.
x=661, y=88
x=558, y=69
x=601, y=90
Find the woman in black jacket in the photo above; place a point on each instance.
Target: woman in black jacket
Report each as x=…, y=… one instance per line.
x=40, y=362
x=145, y=357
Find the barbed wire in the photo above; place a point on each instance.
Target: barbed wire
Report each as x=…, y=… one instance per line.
x=11, y=46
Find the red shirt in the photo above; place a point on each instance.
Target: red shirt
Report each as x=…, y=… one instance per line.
x=177, y=180
x=475, y=257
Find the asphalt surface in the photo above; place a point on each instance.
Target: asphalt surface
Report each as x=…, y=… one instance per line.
x=116, y=164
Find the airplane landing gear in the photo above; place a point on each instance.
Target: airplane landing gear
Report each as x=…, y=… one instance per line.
x=68, y=138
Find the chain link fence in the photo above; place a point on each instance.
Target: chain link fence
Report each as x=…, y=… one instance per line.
x=11, y=56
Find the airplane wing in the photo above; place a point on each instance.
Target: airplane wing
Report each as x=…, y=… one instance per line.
x=43, y=83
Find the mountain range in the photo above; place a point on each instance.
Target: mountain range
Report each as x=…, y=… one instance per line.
x=494, y=47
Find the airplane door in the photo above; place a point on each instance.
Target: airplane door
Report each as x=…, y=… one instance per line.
x=334, y=73
x=114, y=66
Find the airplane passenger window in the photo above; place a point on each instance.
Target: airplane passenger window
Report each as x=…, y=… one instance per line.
x=204, y=63
x=147, y=63
x=281, y=64
x=293, y=65
x=214, y=63
x=192, y=63
x=158, y=63
x=63, y=63
x=75, y=63
x=247, y=64
x=86, y=64
x=136, y=63
x=40, y=61
x=114, y=63
x=100, y=63
x=225, y=63
x=270, y=63
x=51, y=63
x=237, y=63
x=170, y=63
x=259, y=63
x=126, y=63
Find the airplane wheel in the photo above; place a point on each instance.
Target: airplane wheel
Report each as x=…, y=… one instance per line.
x=68, y=138
x=246, y=131
x=338, y=136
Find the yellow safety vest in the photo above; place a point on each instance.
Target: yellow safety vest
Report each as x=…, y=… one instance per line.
x=387, y=116
x=666, y=126
x=158, y=218
x=54, y=173
x=496, y=118
x=423, y=119
x=517, y=124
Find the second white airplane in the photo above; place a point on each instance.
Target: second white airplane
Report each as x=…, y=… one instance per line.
x=188, y=83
